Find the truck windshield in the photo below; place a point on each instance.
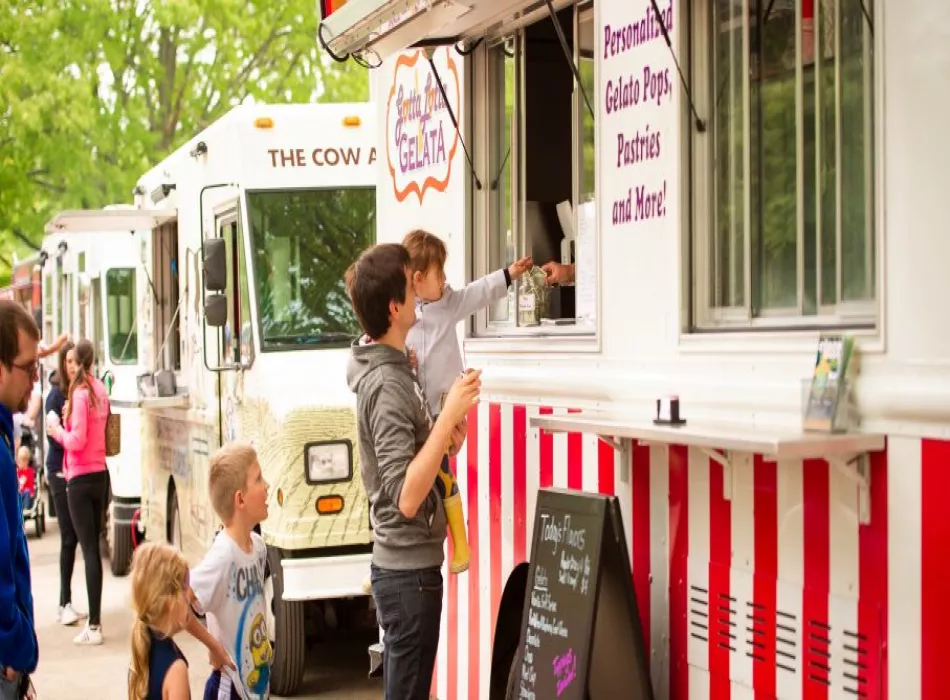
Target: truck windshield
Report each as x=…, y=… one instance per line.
x=303, y=241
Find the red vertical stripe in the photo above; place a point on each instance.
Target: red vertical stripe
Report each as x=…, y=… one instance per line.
x=817, y=543
x=520, y=437
x=452, y=645
x=679, y=550
x=935, y=567
x=546, y=454
x=723, y=612
x=473, y=669
x=872, y=612
x=575, y=458
x=640, y=479
x=494, y=510
x=764, y=596
x=605, y=468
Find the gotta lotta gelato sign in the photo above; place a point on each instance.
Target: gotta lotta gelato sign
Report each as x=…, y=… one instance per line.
x=420, y=138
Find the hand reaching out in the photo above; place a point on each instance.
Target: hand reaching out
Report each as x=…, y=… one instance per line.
x=520, y=266
x=463, y=396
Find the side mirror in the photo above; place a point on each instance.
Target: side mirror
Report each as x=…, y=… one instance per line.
x=215, y=266
x=216, y=310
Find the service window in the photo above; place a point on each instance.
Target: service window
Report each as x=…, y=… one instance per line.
x=121, y=317
x=303, y=241
x=538, y=121
x=783, y=232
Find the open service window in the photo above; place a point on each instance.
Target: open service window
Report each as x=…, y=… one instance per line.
x=538, y=122
x=783, y=230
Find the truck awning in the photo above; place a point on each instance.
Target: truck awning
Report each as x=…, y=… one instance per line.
x=383, y=27
x=88, y=220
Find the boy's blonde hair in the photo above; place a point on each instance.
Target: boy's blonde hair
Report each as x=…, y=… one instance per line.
x=425, y=250
x=158, y=583
x=23, y=453
x=229, y=468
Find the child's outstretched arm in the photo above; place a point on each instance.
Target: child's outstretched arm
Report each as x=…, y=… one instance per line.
x=481, y=292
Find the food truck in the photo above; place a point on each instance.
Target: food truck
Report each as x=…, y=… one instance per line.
x=92, y=275
x=245, y=333
x=732, y=181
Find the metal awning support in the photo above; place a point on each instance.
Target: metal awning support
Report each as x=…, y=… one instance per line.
x=102, y=220
x=567, y=54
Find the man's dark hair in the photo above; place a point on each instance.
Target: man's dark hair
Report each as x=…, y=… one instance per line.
x=13, y=319
x=375, y=280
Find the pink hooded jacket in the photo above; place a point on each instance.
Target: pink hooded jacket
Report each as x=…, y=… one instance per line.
x=84, y=433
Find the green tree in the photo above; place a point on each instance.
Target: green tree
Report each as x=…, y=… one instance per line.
x=94, y=92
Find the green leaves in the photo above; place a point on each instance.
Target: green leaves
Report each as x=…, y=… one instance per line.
x=94, y=92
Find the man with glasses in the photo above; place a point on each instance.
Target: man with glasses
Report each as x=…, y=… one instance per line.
x=19, y=362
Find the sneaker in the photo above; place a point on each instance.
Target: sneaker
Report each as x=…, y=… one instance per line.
x=90, y=636
x=68, y=615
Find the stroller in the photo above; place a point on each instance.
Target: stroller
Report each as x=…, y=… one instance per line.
x=34, y=506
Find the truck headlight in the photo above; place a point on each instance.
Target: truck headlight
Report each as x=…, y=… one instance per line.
x=329, y=462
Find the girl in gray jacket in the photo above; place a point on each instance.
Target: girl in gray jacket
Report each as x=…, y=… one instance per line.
x=435, y=352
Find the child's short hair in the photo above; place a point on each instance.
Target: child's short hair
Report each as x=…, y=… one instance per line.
x=228, y=475
x=23, y=453
x=425, y=250
x=375, y=280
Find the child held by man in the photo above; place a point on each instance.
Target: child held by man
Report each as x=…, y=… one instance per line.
x=434, y=349
x=26, y=478
x=228, y=584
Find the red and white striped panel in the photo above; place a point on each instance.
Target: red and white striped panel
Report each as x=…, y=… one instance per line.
x=762, y=586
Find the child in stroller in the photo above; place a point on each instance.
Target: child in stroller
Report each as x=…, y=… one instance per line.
x=28, y=477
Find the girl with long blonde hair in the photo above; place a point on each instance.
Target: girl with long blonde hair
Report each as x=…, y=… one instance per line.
x=161, y=598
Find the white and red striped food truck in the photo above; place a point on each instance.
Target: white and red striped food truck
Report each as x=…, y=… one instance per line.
x=723, y=181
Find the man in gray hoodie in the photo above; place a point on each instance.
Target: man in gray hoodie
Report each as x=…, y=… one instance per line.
x=400, y=455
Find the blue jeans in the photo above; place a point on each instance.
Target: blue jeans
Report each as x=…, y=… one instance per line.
x=409, y=609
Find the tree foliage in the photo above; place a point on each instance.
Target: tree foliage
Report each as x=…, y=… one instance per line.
x=94, y=92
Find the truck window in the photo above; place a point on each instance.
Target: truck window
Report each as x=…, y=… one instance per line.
x=121, y=315
x=540, y=132
x=303, y=241
x=239, y=345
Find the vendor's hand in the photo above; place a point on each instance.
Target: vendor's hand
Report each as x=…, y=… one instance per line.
x=218, y=656
x=519, y=267
x=463, y=396
x=556, y=273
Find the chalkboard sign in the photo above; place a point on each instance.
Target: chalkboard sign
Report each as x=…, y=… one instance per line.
x=581, y=637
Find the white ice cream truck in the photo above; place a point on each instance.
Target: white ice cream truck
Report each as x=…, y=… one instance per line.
x=92, y=276
x=245, y=335
x=789, y=184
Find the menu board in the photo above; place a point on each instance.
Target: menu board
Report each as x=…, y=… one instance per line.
x=580, y=611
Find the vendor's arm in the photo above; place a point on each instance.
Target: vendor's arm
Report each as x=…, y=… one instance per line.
x=558, y=273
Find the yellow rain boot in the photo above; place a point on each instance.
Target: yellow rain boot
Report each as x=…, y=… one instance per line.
x=456, y=518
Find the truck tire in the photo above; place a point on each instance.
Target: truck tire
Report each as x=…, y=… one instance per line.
x=120, y=549
x=286, y=629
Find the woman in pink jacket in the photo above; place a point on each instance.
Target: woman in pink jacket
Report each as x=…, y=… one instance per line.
x=83, y=437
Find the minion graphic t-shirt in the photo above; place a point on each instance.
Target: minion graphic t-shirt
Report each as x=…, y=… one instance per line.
x=229, y=586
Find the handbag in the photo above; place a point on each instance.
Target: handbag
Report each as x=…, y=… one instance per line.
x=113, y=434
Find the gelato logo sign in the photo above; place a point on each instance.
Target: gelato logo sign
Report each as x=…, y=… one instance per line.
x=420, y=138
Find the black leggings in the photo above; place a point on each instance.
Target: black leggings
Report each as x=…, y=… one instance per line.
x=67, y=538
x=87, y=502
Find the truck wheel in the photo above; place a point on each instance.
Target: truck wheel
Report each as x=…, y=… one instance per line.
x=120, y=548
x=286, y=628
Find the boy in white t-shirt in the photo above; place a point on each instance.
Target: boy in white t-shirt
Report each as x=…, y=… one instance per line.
x=228, y=584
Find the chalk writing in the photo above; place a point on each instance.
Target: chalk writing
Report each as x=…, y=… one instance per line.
x=565, y=670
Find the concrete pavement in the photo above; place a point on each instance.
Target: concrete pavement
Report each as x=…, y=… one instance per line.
x=68, y=672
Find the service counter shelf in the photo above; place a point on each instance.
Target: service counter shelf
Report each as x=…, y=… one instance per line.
x=179, y=401
x=847, y=452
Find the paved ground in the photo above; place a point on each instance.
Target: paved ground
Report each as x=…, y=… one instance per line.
x=67, y=672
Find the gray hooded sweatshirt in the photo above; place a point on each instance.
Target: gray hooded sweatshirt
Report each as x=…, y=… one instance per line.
x=393, y=425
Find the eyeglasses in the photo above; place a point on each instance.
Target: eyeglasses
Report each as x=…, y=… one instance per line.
x=31, y=370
